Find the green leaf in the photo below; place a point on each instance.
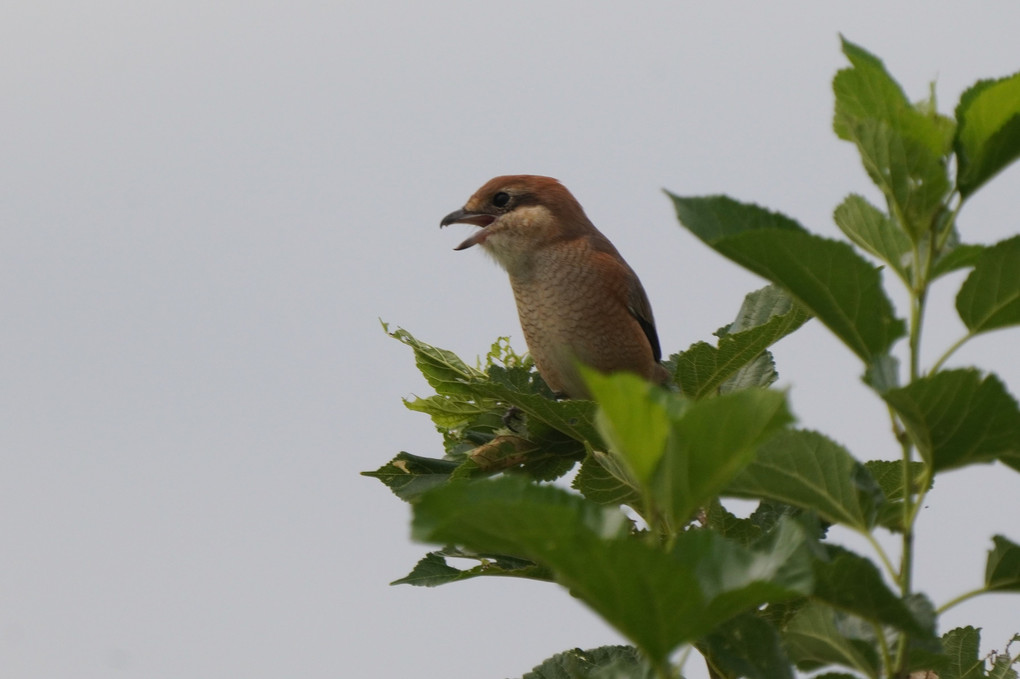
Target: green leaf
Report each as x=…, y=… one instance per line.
x=958, y=257
x=603, y=479
x=883, y=373
x=1002, y=667
x=576, y=419
x=960, y=648
x=889, y=476
x=747, y=646
x=956, y=418
x=817, y=636
x=871, y=229
x=759, y=373
x=447, y=412
x=865, y=91
x=544, y=457
x=988, y=138
x=451, y=377
x=743, y=531
x=990, y=297
x=923, y=611
x=1002, y=572
x=808, y=470
x=655, y=598
x=912, y=178
x=766, y=316
x=433, y=570
x=826, y=276
x=605, y=662
x=632, y=419
x=408, y=476
x=709, y=443
x=713, y=218
x=442, y=369
x=680, y=453
x=851, y=583
x=903, y=147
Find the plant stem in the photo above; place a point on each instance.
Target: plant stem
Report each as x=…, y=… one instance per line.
x=922, y=493
x=918, y=297
x=883, y=557
x=883, y=645
x=923, y=261
x=950, y=351
x=947, y=229
x=907, y=555
x=960, y=599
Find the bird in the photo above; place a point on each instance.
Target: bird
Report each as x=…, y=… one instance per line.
x=577, y=298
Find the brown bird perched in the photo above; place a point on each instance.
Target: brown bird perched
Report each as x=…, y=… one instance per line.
x=577, y=298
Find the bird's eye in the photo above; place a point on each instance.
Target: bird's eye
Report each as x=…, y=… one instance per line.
x=501, y=199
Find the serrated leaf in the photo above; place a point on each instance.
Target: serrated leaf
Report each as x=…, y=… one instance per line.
x=808, y=470
x=447, y=412
x=680, y=453
x=871, y=229
x=763, y=307
x=923, y=611
x=433, y=570
x=913, y=179
x=408, y=476
x=1002, y=667
x=605, y=662
x=768, y=514
x=759, y=373
x=826, y=276
x=452, y=377
x=902, y=146
x=815, y=637
x=718, y=217
x=958, y=417
x=573, y=418
x=604, y=480
x=851, y=583
x=710, y=443
x=883, y=373
x=442, y=369
x=988, y=136
x=960, y=256
x=865, y=91
x=632, y=419
x=868, y=91
x=990, y=297
x=657, y=599
x=889, y=476
x=960, y=649
x=545, y=458
x=766, y=316
x=742, y=531
x=1002, y=571
x=747, y=646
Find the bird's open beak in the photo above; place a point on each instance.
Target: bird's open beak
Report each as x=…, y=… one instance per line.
x=464, y=217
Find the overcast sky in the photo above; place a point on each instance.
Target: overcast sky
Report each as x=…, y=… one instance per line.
x=207, y=206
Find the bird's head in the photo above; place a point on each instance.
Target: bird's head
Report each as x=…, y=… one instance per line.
x=519, y=215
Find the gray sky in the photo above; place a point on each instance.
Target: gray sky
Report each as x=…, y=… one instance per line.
x=206, y=208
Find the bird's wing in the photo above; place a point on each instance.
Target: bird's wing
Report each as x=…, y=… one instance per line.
x=639, y=306
x=634, y=294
